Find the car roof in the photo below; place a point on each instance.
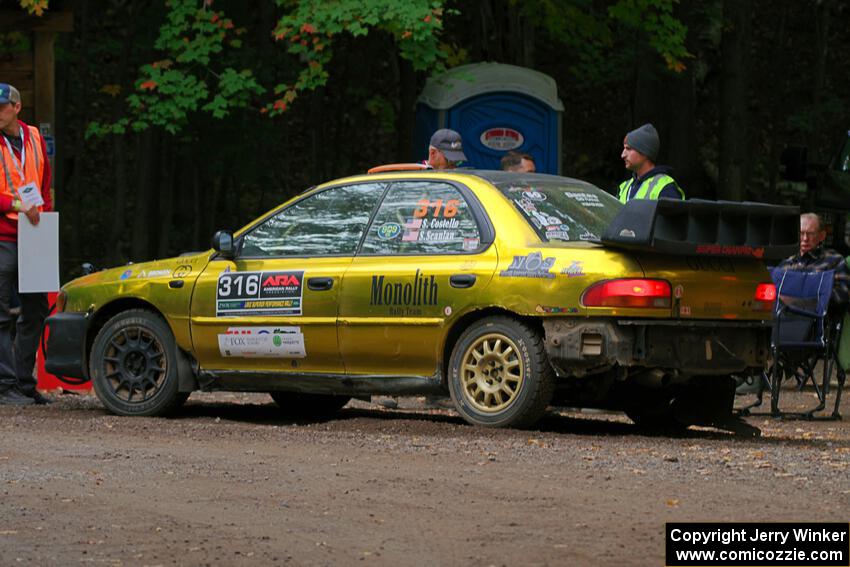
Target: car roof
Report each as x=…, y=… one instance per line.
x=493, y=176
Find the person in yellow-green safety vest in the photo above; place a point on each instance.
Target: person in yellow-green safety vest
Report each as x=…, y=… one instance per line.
x=648, y=181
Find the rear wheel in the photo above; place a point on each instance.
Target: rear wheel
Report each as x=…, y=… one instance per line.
x=309, y=406
x=499, y=375
x=133, y=365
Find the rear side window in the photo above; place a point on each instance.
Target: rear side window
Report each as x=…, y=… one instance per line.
x=565, y=212
x=422, y=217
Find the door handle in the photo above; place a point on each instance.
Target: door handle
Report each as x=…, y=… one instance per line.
x=175, y=284
x=462, y=280
x=320, y=284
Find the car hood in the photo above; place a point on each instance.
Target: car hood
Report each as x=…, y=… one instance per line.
x=169, y=268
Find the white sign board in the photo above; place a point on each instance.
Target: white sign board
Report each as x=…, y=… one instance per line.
x=38, y=254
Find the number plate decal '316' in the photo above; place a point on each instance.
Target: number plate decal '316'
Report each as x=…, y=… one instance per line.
x=241, y=294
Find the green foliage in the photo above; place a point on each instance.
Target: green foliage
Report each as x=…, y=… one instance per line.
x=383, y=111
x=809, y=118
x=665, y=33
x=34, y=7
x=196, y=73
x=309, y=28
x=603, y=39
x=199, y=44
x=15, y=42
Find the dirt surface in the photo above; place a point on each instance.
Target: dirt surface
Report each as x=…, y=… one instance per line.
x=230, y=481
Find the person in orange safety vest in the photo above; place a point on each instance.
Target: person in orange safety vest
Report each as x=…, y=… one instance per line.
x=24, y=194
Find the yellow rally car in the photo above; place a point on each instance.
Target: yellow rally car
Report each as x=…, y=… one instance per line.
x=510, y=291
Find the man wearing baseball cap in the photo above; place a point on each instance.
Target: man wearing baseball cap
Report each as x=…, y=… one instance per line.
x=648, y=181
x=24, y=194
x=445, y=151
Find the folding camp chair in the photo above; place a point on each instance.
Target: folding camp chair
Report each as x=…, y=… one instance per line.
x=805, y=331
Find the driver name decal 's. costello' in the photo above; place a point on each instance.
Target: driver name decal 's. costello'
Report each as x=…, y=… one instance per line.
x=241, y=294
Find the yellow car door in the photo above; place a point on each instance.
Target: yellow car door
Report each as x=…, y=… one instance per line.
x=273, y=307
x=424, y=260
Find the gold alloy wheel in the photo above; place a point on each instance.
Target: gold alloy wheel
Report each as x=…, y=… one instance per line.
x=491, y=373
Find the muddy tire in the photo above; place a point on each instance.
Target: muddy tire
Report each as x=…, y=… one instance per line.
x=313, y=407
x=499, y=375
x=133, y=365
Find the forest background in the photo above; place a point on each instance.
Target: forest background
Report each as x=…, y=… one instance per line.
x=177, y=118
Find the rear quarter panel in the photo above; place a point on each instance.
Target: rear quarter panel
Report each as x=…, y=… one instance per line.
x=540, y=279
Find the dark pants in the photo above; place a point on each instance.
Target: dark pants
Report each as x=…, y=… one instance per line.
x=18, y=361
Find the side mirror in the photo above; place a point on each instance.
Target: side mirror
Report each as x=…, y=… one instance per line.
x=222, y=242
x=793, y=163
x=88, y=268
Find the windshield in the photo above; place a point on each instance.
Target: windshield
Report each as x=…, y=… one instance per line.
x=561, y=210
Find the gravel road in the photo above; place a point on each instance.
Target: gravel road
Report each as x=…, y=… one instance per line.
x=230, y=481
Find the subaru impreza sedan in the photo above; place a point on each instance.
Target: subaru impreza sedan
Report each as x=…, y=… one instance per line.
x=507, y=291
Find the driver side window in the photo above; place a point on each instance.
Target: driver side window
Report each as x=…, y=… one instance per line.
x=328, y=223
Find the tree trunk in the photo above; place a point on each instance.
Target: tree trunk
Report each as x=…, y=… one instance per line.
x=117, y=228
x=733, y=101
x=783, y=81
x=147, y=169
x=822, y=19
x=70, y=193
x=680, y=146
x=212, y=214
x=166, y=197
x=197, y=214
x=492, y=47
x=406, y=111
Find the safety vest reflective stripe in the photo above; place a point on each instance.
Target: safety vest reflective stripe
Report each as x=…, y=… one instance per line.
x=35, y=136
x=33, y=168
x=8, y=177
x=652, y=186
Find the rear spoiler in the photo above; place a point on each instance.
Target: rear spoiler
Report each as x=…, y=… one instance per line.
x=706, y=228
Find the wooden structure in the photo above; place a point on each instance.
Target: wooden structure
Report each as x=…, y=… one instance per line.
x=32, y=72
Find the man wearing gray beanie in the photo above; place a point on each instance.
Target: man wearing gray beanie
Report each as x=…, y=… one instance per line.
x=648, y=181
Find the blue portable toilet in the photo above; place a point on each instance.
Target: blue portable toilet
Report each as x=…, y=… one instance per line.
x=495, y=108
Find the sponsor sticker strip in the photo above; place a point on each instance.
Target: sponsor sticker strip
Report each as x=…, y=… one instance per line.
x=262, y=342
x=240, y=294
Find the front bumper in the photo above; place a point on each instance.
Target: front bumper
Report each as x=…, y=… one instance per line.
x=66, y=345
x=581, y=346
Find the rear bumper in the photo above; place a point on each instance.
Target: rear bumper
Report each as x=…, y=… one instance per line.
x=581, y=346
x=66, y=345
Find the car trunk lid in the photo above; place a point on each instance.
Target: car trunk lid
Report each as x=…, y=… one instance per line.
x=707, y=287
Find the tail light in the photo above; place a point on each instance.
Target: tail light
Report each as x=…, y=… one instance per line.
x=765, y=297
x=639, y=293
x=766, y=292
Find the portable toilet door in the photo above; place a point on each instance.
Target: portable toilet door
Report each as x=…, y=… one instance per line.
x=495, y=108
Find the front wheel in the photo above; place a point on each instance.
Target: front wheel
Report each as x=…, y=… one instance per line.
x=133, y=365
x=499, y=375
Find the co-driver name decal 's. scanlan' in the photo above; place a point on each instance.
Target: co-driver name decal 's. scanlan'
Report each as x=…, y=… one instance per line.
x=242, y=294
